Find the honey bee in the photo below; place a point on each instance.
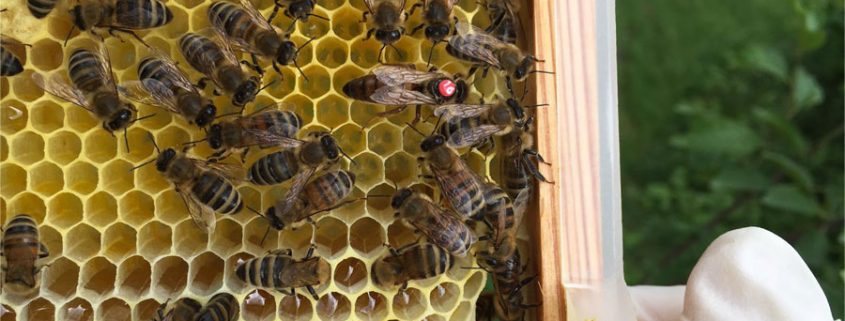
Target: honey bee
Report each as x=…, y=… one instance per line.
x=184, y=309
x=216, y=61
x=296, y=10
x=483, y=50
x=22, y=249
x=323, y=194
x=437, y=20
x=503, y=19
x=221, y=307
x=119, y=16
x=459, y=184
x=412, y=262
x=442, y=228
x=41, y=8
x=246, y=30
x=162, y=84
x=93, y=88
x=402, y=85
x=485, y=309
x=517, y=165
x=279, y=270
x=319, y=150
x=472, y=125
x=508, y=284
x=503, y=216
x=263, y=128
x=10, y=62
x=387, y=23
x=205, y=187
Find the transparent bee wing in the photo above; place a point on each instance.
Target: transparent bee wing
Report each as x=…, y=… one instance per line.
x=58, y=87
x=454, y=112
x=169, y=66
x=232, y=172
x=255, y=16
x=395, y=75
x=371, y=4
x=149, y=92
x=520, y=203
x=296, y=188
x=471, y=136
x=105, y=66
x=474, y=42
x=239, y=44
x=399, y=96
x=202, y=214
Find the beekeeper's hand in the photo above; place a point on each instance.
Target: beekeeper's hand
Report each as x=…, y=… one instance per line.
x=746, y=274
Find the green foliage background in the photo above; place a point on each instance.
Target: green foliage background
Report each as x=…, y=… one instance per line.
x=731, y=115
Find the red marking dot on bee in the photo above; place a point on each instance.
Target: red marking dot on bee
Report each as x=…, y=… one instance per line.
x=447, y=88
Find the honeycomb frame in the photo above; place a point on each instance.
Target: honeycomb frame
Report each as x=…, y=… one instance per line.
x=122, y=243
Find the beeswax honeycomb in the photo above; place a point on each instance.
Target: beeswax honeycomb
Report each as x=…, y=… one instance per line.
x=121, y=242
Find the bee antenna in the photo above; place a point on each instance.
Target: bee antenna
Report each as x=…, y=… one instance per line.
x=439, y=118
x=347, y=156
x=296, y=64
x=397, y=51
x=303, y=45
x=265, y=86
x=535, y=106
x=318, y=16
x=142, y=118
x=541, y=71
x=68, y=34
x=195, y=142
x=142, y=165
x=430, y=53
x=126, y=139
x=267, y=232
x=228, y=114
x=254, y=211
x=153, y=140
x=380, y=52
x=415, y=129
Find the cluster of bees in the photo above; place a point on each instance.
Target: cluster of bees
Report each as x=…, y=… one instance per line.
x=478, y=212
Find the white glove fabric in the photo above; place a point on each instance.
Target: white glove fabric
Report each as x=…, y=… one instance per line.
x=747, y=274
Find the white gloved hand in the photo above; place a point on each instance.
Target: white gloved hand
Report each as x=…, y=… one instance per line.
x=746, y=274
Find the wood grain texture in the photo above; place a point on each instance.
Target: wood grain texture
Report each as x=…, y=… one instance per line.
x=569, y=224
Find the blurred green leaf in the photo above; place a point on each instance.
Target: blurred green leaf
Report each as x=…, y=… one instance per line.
x=792, y=169
x=720, y=138
x=766, y=59
x=739, y=179
x=813, y=248
x=790, y=198
x=806, y=92
x=784, y=128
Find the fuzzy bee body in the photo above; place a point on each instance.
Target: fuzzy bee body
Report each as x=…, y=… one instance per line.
x=440, y=227
x=41, y=8
x=217, y=63
x=474, y=125
x=280, y=271
x=319, y=150
x=274, y=168
x=264, y=129
x=503, y=19
x=10, y=63
x=414, y=262
x=399, y=85
x=21, y=249
x=120, y=14
x=503, y=219
x=322, y=194
x=184, y=309
x=221, y=307
x=459, y=184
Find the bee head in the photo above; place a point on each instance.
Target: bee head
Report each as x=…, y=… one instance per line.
x=215, y=136
x=437, y=32
x=164, y=159
x=300, y=9
x=274, y=220
x=120, y=120
x=286, y=53
x=206, y=115
x=524, y=67
x=518, y=112
x=246, y=92
x=388, y=36
x=399, y=197
x=329, y=147
x=432, y=142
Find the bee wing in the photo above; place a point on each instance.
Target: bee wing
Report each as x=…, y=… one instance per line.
x=371, y=4
x=240, y=44
x=471, y=136
x=520, y=204
x=169, y=67
x=105, y=66
x=274, y=137
x=202, y=214
x=232, y=172
x=476, y=43
x=296, y=188
x=394, y=75
x=454, y=112
x=255, y=16
x=398, y=95
x=58, y=87
x=149, y=92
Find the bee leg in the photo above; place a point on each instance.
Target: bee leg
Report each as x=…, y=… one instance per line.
x=253, y=66
x=364, y=19
x=472, y=70
x=417, y=114
x=129, y=32
x=535, y=171
x=285, y=292
x=203, y=82
x=415, y=6
x=216, y=92
x=277, y=69
x=42, y=251
x=537, y=155
x=417, y=28
x=276, y=8
x=370, y=33
x=312, y=291
x=484, y=72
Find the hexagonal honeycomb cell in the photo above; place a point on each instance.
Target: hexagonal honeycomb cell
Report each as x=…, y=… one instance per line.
x=121, y=239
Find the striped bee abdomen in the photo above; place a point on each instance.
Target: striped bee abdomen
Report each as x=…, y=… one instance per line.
x=361, y=88
x=218, y=193
x=41, y=8
x=221, y=307
x=141, y=14
x=85, y=70
x=264, y=271
x=274, y=168
x=10, y=65
x=433, y=261
x=201, y=52
x=232, y=19
x=153, y=68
